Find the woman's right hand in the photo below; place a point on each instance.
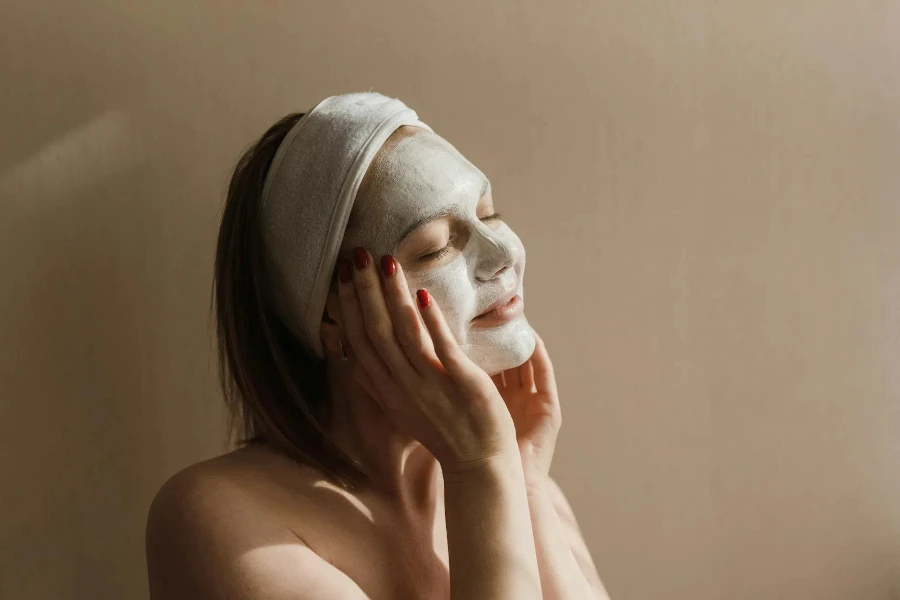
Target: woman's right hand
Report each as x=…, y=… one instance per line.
x=416, y=370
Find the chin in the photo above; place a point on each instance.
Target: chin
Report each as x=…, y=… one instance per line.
x=501, y=348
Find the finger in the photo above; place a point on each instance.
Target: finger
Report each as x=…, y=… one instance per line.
x=543, y=375
x=526, y=375
x=511, y=378
x=453, y=359
x=331, y=344
x=354, y=331
x=409, y=328
x=377, y=320
x=499, y=380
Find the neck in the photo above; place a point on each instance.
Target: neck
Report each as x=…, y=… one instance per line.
x=398, y=466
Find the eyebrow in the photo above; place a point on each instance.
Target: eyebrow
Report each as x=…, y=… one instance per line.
x=450, y=209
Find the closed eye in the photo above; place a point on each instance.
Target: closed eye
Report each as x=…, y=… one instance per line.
x=435, y=255
x=439, y=253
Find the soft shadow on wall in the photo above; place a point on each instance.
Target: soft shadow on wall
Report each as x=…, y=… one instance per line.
x=96, y=249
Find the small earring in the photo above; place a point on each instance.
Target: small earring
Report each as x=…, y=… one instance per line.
x=343, y=352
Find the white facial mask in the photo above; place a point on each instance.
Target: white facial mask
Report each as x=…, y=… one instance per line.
x=422, y=174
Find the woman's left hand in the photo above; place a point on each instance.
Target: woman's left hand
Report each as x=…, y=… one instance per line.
x=529, y=391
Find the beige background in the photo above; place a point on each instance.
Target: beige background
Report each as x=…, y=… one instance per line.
x=709, y=193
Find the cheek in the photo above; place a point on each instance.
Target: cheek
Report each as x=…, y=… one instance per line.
x=452, y=288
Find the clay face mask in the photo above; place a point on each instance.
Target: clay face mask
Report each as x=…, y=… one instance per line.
x=426, y=205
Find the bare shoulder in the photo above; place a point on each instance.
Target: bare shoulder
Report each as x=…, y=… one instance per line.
x=212, y=533
x=201, y=497
x=229, y=485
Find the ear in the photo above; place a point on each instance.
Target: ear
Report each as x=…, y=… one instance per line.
x=332, y=329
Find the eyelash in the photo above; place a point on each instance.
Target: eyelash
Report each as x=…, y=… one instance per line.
x=439, y=253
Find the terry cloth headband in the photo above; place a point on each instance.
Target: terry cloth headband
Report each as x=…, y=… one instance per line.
x=308, y=194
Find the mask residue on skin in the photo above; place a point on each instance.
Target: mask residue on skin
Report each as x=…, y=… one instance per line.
x=414, y=175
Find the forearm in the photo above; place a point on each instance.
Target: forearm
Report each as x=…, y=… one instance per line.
x=492, y=549
x=562, y=578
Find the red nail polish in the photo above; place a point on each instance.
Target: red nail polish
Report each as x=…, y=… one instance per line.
x=388, y=266
x=424, y=298
x=344, y=273
x=360, y=258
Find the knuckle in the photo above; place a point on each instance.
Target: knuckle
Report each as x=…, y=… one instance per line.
x=366, y=284
x=457, y=361
x=380, y=333
x=346, y=292
x=353, y=336
x=408, y=332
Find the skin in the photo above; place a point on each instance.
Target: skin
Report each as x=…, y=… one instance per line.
x=253, y=524
x=480, y=258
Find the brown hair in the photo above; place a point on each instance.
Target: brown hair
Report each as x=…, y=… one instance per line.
x=276, y=392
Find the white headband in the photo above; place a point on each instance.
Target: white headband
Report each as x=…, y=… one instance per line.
x=308, y=194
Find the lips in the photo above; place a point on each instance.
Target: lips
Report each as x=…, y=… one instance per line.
x=502, y=301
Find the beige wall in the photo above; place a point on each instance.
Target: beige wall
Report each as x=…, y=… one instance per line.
x=709, y=193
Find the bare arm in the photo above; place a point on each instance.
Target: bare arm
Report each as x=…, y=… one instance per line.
x=433, y=392
x=492, y=550
x=566, y=568
x=207, y=540
x=529, y=390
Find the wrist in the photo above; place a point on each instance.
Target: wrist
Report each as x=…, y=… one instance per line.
x=536, y=484
x=503, y=461
x=535, y=466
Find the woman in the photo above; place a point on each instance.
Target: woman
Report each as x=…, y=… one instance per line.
x=399, y=413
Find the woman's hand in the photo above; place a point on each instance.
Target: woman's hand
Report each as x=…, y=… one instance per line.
x=529, y=391
x=416, y=370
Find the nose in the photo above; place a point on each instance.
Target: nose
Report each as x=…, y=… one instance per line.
x=495, y=255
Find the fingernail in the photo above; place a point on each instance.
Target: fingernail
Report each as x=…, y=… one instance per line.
x=360, y=258
x=424, y=298
x=388, y=266
x=344, y=272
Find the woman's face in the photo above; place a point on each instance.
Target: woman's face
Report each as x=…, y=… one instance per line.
x=424, y=203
